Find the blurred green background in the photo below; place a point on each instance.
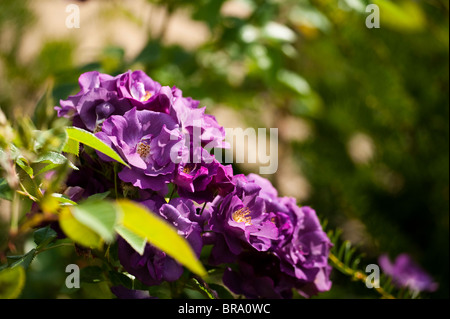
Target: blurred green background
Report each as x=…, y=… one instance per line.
x=363, y=114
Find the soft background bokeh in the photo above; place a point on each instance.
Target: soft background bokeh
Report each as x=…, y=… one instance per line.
x=363, y=114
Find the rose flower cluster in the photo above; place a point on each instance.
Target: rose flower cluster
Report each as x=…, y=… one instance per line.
x=266, y=244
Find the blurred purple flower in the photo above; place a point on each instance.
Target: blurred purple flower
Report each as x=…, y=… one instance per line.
x=405, y=273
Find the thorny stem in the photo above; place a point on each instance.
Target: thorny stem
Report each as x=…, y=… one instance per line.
x=339, y=265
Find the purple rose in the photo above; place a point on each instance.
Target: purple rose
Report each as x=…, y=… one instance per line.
x=241, y=220
x=96, y=101
x=146, y=140
x=202, y=182
x=253, y=219
x=155, y=266
x=200, y=129
x=144, y=93
x=304, y=248
x=405, y=273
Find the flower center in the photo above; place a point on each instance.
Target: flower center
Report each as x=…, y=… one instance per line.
x=189, y=168
x=143, y=149
x=98, y=127
x=147, y=96
x=242, y=216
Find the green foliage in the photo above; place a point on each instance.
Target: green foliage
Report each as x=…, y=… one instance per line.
x=138, y=220
x=100, y=216
x=78, y=232
x=12, y=281
x=89, y=139
x=44, y=236
x=309, y=60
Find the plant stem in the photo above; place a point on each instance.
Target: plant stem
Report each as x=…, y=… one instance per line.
x=115, y=181
x=172, y=193
x=357, y=275
x=55, y=246
x=15, y=211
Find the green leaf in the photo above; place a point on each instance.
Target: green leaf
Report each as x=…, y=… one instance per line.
x=99, y=216
x=403, y=16
x=44, y=236
x=221, y=291
x=294, y=81
x=72, y=147
x=78, y=232
x=139, y=220
x=92, y=274
x=63, y=199
x=54, y=158
x=137, y=242
x=23, y=260
x=50, y=140
x=93, y=141
x=24, y=166
x=99, y=196
x=205, y=289
x=12, y=281
x=119, y=279
x=42, y=168
x=5, y=191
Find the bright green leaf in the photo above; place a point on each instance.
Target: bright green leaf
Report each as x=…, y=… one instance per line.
x=79, y=232
x=24, y=166
x=12, y=281
x=99, y=216
x=63, y=200
x=72, y=147
x=93, y=141
x=137, y=242
x=139, y=220
x=54, y=158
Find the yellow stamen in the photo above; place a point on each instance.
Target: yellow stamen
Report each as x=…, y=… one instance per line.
x=242, y=216
x=143, y=149
x=147, y=96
